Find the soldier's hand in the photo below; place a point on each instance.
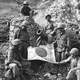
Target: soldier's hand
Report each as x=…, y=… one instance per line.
x=6, y=68
x=57, y=63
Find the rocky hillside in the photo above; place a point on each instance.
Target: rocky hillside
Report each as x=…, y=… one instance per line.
x=7, y=0
x=32, y=1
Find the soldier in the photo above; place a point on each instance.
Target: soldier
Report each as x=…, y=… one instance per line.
x=49, y=28
x=61, y=43
x=26, y=9
x=75, y=65
x=23, y=34
x=44, y=34
x=17, y=54
x=12, y=61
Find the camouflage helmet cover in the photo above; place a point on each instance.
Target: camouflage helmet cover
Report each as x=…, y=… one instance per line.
x=74, y=51
x=26, y=2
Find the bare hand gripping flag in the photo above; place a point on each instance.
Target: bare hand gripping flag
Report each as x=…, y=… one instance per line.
x=43, y=52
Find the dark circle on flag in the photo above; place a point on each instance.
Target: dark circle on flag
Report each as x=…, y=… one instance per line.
x=41, y=52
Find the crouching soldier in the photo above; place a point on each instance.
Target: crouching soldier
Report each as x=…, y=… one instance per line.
x=17, y=55
x=74, y=73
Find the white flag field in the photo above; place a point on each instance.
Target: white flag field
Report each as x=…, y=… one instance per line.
x=43, y=52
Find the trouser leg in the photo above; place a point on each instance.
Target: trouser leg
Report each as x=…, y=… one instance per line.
x=71, y=76
x=78, y=74
x=63, y=56
x=58, y=56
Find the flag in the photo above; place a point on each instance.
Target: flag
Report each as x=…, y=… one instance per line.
x=43, y=52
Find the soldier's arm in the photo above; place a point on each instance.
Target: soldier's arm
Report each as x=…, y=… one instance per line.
x=74, y=69
x=10, y=55
x=66, y=60
x=52, y=33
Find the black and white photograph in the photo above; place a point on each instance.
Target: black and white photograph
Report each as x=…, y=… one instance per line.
x=39, y=39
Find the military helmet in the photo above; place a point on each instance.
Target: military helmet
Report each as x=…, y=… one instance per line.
x=16, y=42
x=61, y=26
x=74, y=52
x=25, y=3
x=48, y=16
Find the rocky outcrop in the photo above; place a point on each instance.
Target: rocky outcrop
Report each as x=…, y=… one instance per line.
x=62, y=11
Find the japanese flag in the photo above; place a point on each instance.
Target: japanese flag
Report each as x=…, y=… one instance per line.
x=43, y=52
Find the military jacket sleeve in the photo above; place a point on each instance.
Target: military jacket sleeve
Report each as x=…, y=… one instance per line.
x=68, y=42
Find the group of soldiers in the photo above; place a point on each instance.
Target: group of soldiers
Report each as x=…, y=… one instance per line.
x=17, y=53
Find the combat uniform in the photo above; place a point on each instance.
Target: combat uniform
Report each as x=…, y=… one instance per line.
x=74, y=73
x=62, y=45
x=50, y=27
x=17, y=55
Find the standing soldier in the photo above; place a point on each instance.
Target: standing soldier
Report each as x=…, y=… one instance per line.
x=49, y=28
x=62, y=43
x=17, y=58
x=25, y=9
x=13, y=61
